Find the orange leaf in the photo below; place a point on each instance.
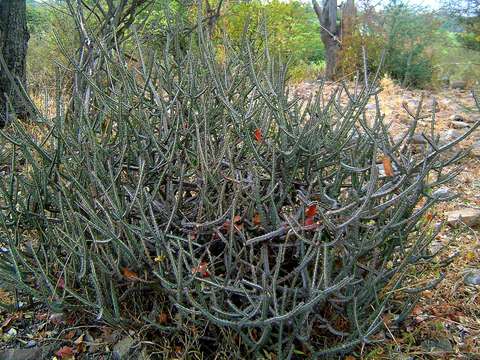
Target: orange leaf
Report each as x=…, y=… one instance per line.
x=202, y=269
x=163, y=318
x=258, y=135
x=70, y=335
x=311, y=210
x=129, y=274
x=256, y=219
x=65, y=352
x=387, y=166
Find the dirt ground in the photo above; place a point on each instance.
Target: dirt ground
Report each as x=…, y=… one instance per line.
x=445, y=324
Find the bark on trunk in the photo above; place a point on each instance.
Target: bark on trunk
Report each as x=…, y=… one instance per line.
x=330, y=33
x=13, y=46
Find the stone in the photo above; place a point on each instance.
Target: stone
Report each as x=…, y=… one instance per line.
x=31, y=344
x=468, y=216
x=442, y=345
x=457, y=117
x=34, y=353
x=418, y=139
x=476, y=149
x=442, y=193
x=459, y=125
x=449, y=136
x=464, y=118
x=472, y=278
x=459, y=84
x=123, y=347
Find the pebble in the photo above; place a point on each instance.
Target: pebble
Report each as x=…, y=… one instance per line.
x=442, y=193
x=468, y=216
x=459, y=124
x=472, y=278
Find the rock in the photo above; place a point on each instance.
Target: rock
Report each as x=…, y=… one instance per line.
x=468, y=216
x=123, y=347
x=459, y=125
x=476, y=149
x=449, y=136
x=457, y=117
x=34, y=353
x=442, y=344
x=442, y=193
x=31, y=344
x=472, y=277
x=418, y=139
x=459, y=84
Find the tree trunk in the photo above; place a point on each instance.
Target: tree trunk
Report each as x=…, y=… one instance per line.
x=13, y=46
x=330, y=33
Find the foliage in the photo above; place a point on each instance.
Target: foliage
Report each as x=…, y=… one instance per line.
x=452, y=61
x=52, y=41
x=467, y=14
x=293, y=32
x=201, y=187
x=404, y=34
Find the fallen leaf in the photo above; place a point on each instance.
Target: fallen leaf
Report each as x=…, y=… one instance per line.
x=80, y=344
x=202, y=269
x=387, y=166
x=69, y=335
x=65, y=352
x=79, y=340
x=163, y=318
x=130, y=275
x=311, y=210
x=61, y=283
x=470, y=256
x=258, y=135
x=417, y=310
x=309, y=221
x=237, y=221
x=256, y=219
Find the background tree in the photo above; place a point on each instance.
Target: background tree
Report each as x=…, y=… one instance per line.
x=335, y=26
x=330, y=33
x=467, y=14
x=13, y=48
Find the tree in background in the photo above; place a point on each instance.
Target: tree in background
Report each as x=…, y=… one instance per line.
x=467, y=13
x=330, y=33
x=291, y=30
x=13, y=48
x=334, y=30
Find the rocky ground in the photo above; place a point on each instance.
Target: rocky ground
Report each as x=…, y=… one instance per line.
x=445, y=324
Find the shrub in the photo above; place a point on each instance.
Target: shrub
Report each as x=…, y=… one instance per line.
x=204, y=190
x=404, y=33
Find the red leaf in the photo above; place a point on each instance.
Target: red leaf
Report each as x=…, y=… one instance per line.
x=310, y=223
x=387, y=166
x=65, y=352
x=258, y=135
x=129, y=274
x=311, y=210
x=202, y=269
x=61, y=283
